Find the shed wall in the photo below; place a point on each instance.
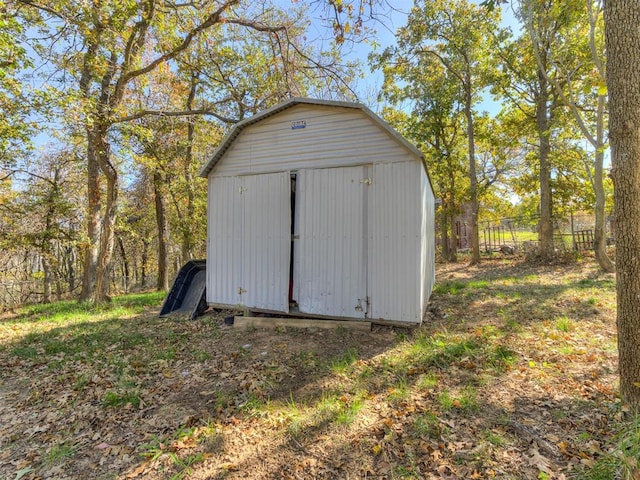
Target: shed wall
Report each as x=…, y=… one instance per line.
x=364, y=226
x=249, y=241
x=332, y=137
x=395, y=260
x=428, y=251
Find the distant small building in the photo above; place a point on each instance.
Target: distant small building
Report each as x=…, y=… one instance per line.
x=319, y=208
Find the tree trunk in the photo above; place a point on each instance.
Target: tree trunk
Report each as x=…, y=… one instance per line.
x=451, y=212
x=622, y=37
x=46, y=268
x=187, y=230
x=136, y=270
x=71, y=271
x=163, y=231
x=46, y=250
x=90, y=263
x=58, y=289
x=125, y=264
x=187, y=222
x=444, y=232
x=107, y=233
x=144, y=259
x=600, y=234
x=473, y=178
x=545, y=229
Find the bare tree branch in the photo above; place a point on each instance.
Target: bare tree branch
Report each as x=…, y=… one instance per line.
x=181, y=113
x=211, y=20
x=44, y=8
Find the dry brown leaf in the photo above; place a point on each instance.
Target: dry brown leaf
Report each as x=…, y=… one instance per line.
x=138, y=471
x=539, y=461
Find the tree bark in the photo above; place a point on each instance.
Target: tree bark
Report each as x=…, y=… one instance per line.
x=163, y=231
x=71, y=272
x=622, y=37
x=46, y=247
x=48, y=277
x=545, y=229
x=92, y=242
x=473, y=178
x=444, y=233
x=144, y=259
x=125, y=264
x=600, y=233
x=453, y=251
x=107, y=232
x=187, y=232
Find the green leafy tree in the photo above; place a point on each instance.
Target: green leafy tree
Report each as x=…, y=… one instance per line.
x=108, y=48
x=436, y=125
x=461, y=37
x=525, y=87
x=15, y=101
x=500, y=157
x=578, y=80
x=545, y=105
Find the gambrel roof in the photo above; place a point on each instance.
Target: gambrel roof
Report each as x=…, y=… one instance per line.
x=237, y=129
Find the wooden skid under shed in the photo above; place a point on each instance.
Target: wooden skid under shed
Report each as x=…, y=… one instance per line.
x=270, y=322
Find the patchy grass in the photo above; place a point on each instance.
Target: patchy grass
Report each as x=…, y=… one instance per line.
x=621, y=461
x=59, y=453
x=513, y=376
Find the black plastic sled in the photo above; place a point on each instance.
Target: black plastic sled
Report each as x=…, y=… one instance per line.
x=188, y=294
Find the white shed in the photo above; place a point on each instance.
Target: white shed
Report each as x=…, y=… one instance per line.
x=319, y=208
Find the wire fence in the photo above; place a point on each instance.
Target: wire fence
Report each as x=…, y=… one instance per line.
x=520, y=235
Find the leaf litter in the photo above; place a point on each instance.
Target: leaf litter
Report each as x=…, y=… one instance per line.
x=489, y=387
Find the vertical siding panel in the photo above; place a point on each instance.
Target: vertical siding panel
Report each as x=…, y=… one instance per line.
x=211, y=217
x=266, y=239
x=224, y=228
x=329, y=273
x=395, y=268
x=248, y=243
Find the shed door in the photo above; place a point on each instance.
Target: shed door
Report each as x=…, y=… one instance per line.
x=395, y=242
x=330, y=252
x=249, y=241
x=266, y=238
x=224, y=251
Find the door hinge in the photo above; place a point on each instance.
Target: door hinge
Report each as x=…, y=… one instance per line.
x=367, y=181
x=241, y=291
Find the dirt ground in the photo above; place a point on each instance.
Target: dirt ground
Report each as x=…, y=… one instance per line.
x=513, y=377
